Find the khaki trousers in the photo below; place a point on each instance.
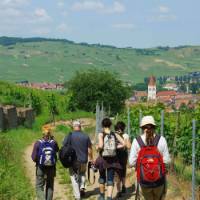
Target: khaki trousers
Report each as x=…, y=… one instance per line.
x=157, y=193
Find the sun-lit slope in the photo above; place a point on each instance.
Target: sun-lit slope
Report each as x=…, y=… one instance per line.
x=57, y=61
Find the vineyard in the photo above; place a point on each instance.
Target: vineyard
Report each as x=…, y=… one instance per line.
x=177, y=128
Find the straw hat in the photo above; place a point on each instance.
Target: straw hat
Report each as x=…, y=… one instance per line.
x=147, y=120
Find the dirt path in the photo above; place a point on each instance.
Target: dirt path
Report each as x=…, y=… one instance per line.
x=176, y=189
x=60, y=190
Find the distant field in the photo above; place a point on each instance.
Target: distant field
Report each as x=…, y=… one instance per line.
x=57, y=61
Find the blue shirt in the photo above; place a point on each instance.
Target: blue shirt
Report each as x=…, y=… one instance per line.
x=80, y=143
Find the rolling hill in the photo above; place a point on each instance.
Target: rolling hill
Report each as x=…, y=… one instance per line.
x=56, y=60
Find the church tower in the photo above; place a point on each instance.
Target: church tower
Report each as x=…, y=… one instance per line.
x=152, y=88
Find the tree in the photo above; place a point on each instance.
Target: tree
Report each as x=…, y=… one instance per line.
x=52, y=106
x=92, y=86
x=140, y=87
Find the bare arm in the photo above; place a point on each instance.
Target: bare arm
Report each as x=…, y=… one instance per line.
x=90, y=153
x=127, y=143
x=100, y=139
x=121, y=141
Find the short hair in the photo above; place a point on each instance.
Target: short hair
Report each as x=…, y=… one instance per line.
x=120, y=126
x=106, y=123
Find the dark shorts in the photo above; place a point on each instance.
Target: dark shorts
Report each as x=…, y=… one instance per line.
x=123, y=158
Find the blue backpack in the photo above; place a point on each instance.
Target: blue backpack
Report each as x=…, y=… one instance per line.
x=47, y=153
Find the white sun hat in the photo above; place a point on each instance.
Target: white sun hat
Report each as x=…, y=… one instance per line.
x=76, y=123
x=147, y=120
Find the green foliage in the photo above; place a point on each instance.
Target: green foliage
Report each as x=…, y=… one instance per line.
x=88, y=88
x=140, y=87
x=39, y=60
x=41, y=101
x=62, y=128
x=179, y=136
x=14, y=184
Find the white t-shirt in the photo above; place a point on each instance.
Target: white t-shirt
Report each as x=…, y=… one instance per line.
x=162, y=147
x=125, y=136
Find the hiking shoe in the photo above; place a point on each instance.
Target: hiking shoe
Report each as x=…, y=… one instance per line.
x=101, y=197
x=119, y=195
x=123, y=189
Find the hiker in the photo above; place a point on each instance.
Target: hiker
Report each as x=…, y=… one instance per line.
x=44, y=155
x=82, y=145
x=150, y=157
x=107, y=162
x=122, y=154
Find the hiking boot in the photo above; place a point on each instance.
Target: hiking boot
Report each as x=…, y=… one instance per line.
x=101, y=197
x=119, y=195
x=123, y=189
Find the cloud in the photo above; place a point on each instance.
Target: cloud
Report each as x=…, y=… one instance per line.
x=41, y=31
x=41, y=14
x=163, y=14
x=163, y=18
x=123, y=26
x=163, y=9
x=60, y=3
x=13, y=3
x=62, y=28
x=98, y=6
x=88, y=6
x=116, y=8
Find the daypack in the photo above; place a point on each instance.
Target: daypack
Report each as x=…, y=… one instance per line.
x=67, y=154
x=150, y=167
x=110, y=145
x=47, y=153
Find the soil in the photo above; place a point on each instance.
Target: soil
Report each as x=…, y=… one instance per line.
x=177, y=189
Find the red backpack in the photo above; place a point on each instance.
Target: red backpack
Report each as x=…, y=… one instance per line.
x=150, y=167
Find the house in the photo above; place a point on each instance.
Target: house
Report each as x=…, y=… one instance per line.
x=139, y=95
x=171, y=86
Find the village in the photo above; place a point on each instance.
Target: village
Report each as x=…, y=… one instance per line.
x=171, y=97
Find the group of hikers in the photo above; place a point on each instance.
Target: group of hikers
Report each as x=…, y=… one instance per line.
x=148, y=155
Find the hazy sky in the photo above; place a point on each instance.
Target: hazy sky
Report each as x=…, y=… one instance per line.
x=122, y=23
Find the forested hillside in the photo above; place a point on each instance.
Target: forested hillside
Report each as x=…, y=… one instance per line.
x=54, y=60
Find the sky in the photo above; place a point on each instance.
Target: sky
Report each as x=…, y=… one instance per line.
x=121, y=23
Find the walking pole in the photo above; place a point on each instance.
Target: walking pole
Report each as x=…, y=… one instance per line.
x=193, y=157
x=140, y=118
x=162, y=123
x=97, y=122
x=137, y=195
x=129, y=127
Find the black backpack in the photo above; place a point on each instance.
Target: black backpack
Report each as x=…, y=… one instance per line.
x=67, y=154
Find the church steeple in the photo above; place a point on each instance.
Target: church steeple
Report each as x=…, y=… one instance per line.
x=152, y=88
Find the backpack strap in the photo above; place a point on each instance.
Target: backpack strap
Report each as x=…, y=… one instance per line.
x=69, y=141
x=140, y=141
x=156, y=140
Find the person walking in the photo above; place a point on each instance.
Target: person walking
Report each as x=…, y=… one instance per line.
x=122, y=154
x=82, y=145
x=107, y=162
x=44, y=155
x=150, y=156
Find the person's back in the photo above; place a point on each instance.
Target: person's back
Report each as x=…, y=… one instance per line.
x=80, y=142
x=156, y=147
x=44, y=155
x=82, y=145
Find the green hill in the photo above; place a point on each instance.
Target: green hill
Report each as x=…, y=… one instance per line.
x=54, y=60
